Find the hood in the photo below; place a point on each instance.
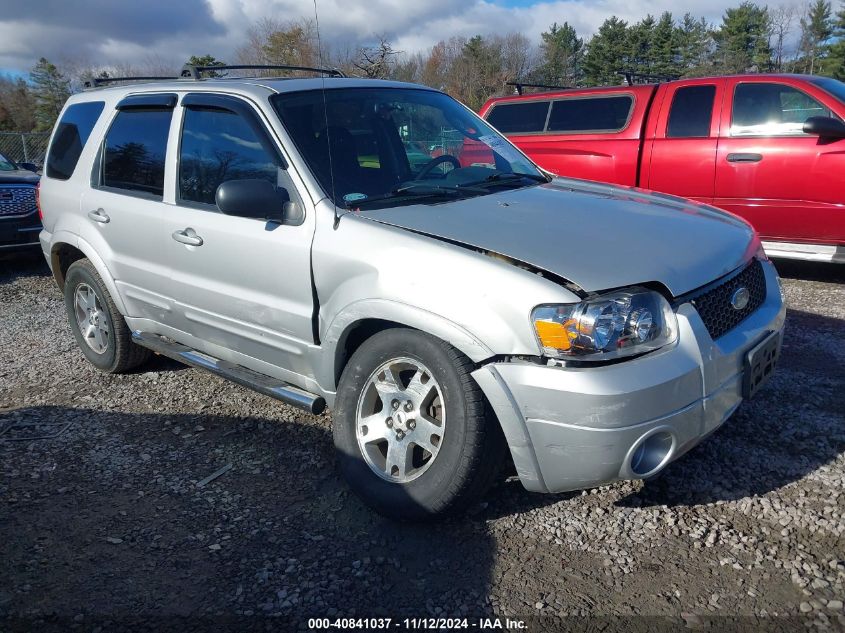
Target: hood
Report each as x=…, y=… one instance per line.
x=597, y=236
x=18, y=176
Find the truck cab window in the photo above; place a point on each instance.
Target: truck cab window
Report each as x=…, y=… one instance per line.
x=691, y=113
x=769, y=109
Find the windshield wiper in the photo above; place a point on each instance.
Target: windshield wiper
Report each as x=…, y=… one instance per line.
x=503, y=177
x=417, y=190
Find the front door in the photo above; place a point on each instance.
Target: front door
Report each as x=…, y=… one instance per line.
x=239, y=283
x=788, y=184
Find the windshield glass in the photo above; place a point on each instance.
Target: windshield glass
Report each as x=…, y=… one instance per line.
x=390, y=146
x=832, y=86
x=6, y=164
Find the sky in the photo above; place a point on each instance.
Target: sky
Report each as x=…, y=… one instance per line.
x=109, y=32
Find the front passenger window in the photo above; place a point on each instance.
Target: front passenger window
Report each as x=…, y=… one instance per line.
x=768, y=109
x=219, y=145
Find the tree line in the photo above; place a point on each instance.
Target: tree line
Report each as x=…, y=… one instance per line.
x=750, y=38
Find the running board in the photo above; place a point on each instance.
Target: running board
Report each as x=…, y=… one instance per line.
x=239, y=374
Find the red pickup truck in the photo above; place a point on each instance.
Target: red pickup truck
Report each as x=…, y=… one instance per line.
x=769, y=148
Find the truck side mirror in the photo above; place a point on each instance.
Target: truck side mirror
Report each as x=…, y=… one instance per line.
x=824, y=127
x=29, y=166
x=256, y=198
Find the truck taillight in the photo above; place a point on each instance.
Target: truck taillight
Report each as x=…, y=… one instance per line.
x=38, y=201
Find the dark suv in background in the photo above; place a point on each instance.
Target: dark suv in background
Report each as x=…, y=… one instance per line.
x=19, y=219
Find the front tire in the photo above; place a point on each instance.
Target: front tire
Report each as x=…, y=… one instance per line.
x=97, y=325
x=411, y=427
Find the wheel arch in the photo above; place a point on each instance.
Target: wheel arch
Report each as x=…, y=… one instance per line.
x=65, y=251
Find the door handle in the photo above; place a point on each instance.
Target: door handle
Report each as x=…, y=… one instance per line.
x=745, y=157
x=187, y=236
x=99, y=216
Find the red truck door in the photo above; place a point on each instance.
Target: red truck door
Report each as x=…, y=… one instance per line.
x=679, y=154
x=789, y=185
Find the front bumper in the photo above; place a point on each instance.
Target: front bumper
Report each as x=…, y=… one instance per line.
x=19, y=232
x=572, y=428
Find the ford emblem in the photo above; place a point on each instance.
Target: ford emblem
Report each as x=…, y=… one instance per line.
x=740, y=298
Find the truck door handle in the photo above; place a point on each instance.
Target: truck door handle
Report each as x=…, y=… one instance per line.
x=743, y=157
x=187, y=236
x=99, y=216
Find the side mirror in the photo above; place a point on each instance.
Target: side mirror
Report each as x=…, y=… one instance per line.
x=28, y=166
x=824, y=127
x=256, y=198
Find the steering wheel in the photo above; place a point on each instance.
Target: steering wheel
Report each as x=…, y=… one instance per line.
x=434, y=162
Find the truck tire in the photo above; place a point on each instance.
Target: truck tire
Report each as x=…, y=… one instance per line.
x=413, y=433
x=99, y=328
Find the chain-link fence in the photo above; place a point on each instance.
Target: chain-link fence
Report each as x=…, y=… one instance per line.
x=24, y=147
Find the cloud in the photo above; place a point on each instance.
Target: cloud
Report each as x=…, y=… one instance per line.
x=105, y=32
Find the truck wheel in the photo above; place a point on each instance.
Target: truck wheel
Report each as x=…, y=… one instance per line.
x=411, y=428
x=98, y=327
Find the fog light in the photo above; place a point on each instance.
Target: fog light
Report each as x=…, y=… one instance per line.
x=651, y=454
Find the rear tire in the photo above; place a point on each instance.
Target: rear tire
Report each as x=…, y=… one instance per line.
x=98, y=327
x=441, y=451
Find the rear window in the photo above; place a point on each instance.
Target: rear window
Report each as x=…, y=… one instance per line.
x=691, y=113
x=591, y=114
x=72, y=133
x=134, y=149
x=519, y=118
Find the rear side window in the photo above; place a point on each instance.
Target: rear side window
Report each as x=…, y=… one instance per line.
x=519, y=118
x=594, y=114
x=218, y=145
x=768, y=109
x=134, y=151
x=72, y=133
x=691, y=113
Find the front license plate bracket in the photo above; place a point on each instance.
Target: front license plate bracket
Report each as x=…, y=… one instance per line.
x=760, y=363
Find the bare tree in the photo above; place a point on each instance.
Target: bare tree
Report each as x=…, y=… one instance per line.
x=781, y=20
x=376, y=62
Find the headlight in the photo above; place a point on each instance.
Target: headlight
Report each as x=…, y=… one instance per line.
x=614, y=325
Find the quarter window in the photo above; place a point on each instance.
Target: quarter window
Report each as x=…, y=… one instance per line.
x=767, y=109
x=219, y=145
x=691, y=113
x=72, y=133
x=134, y=151
x=594, y=114
x=519, y=118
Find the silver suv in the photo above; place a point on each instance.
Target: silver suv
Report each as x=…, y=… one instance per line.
x=327, y=241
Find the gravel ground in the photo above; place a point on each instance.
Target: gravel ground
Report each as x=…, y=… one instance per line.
x=106, y=522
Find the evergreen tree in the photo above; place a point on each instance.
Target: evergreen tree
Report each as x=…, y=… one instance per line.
x=607, y=53
x=641, y=45
x=694, y=44
x=835, y=65
x=666, y=46
x=742, y=41
x=562, y=56
x=208, y=60
x=816, y=30
x=51, y=89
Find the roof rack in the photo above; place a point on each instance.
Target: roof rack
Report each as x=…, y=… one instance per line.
x=191, y=71
x=96, y=82
x=520, y=86
x=632, y=78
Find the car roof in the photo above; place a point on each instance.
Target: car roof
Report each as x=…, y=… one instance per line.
x=248, y=86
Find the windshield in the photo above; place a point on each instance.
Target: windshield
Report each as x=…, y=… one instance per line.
x=390, y=146
x=6, y=164
x=832, y=86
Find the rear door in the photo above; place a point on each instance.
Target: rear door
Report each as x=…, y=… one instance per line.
x=122, y=210
x=590, y=134
x=682, y=157
x=788, y=184
x=239, y=283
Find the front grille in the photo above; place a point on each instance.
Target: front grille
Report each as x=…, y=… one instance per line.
x=17, y=199
x=714, y=303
